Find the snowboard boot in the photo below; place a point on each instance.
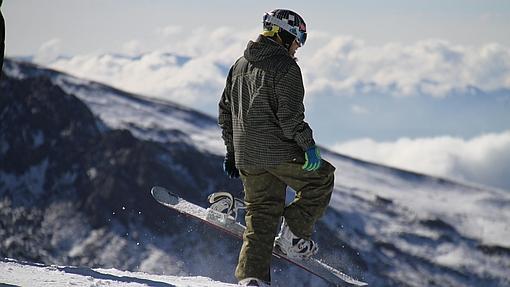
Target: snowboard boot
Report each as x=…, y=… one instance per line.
x=293, y=246
x=253, y=282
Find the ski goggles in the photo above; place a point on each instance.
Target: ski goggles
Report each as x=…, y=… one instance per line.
x=299, y=32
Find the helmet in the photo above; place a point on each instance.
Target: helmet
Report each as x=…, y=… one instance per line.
x=285, y=22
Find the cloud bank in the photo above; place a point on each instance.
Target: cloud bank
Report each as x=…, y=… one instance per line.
x=331, y=65
x=49, y=51
x=189, y=67
x=484, y=159
x=430, y=67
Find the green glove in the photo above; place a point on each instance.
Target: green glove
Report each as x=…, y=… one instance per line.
x=312, y=159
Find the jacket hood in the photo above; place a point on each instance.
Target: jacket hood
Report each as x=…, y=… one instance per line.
x=263, y=48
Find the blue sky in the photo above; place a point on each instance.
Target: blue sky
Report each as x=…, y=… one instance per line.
x=421, y=85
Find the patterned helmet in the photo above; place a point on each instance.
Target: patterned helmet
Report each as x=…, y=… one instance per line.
x=286, y=20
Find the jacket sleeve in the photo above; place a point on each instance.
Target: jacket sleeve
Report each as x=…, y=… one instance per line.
x=225, y=115
x=291, y=111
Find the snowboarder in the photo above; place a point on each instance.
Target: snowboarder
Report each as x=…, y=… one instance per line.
x=270, y=146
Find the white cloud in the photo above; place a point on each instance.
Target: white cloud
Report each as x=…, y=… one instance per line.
x=158, y=74
x=330, y=65
x=133, y=47
x=49, y=51
x=189, y=70
x=222, y=44
x=430, y=67
x=484, y=159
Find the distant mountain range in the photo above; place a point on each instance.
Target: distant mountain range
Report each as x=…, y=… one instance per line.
x=78, y=158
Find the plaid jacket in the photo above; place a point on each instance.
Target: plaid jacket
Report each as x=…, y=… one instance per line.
x=261, y=111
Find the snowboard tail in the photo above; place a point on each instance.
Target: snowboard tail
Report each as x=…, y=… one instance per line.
x=228, y=224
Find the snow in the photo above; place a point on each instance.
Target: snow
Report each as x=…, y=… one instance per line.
x=158, y=262
x=477, y=213
x=146, y=119
x=472, y=217
x=19, y=273
x=372, y=205
x=13, y=71
x=469, y=209
x=474, y=212
x=92, y=173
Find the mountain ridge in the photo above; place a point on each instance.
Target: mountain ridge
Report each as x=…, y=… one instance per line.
x=384, y=225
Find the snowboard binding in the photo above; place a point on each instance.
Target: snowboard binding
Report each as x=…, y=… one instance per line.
x=225, y=203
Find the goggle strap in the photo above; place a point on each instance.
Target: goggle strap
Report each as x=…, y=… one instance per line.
x=272, y=32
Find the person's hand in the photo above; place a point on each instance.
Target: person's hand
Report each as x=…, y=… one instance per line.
x=312, y=159
x=229, y=166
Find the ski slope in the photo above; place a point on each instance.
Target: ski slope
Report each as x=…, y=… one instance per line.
x=26, y=274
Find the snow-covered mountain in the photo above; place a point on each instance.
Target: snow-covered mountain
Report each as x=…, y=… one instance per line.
x=77, y=160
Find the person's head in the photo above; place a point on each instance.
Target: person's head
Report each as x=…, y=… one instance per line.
x=286, y=27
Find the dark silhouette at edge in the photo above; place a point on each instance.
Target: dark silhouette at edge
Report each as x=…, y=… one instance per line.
x=2, y=39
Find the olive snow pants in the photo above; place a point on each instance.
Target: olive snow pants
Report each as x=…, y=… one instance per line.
x=265, y=191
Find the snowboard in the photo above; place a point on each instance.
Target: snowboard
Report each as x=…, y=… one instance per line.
x=229, y=225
